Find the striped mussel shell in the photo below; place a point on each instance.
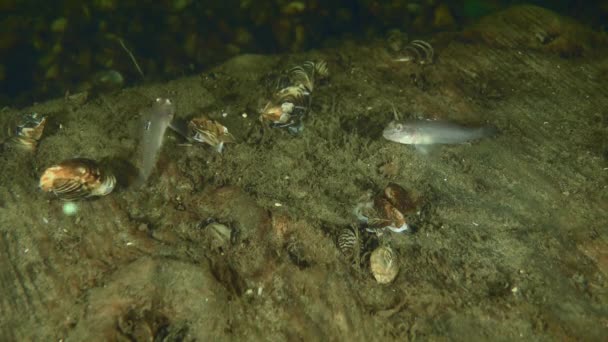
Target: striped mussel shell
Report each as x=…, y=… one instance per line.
x=26, y=131
x=275, y=113
x=418, y=51
x=295, y=94
x=318, y=70
x=353, y=243
x=299, y=82
x=77, y=178
x=349, y=242
x=309, y=73
x=205, y=130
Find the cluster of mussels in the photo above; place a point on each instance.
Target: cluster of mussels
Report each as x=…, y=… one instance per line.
x=70, y=179
x=292, y=96
x=361, y=243
x=361, y=247
x=81, y=178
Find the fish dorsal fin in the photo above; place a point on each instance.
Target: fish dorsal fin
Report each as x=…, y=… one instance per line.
x=395, y=114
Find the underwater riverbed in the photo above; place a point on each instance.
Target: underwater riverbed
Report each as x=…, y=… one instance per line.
x=510, y=236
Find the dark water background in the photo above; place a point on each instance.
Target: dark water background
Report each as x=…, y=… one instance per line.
x=48, y=48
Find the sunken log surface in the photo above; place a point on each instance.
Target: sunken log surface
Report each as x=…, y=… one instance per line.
x=511, y=242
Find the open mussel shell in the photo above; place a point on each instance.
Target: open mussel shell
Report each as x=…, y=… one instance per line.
x=22, y=143
x=77, y=179
x=388, y=214
x=392, y=205
x=26, y=131
x=278, y=114
x=400, y=198
x=209, y=131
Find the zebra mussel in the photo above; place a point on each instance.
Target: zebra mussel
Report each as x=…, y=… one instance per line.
x=417, y=51
x=355, y=243
x=77, y=178
x=291, y=97
x=26, y=131
x=360, y=247
x=349, y=242
x=211, y=132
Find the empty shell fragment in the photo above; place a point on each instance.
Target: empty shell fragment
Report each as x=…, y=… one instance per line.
x=384, y=265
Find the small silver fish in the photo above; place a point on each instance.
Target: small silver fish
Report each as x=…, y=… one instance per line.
x=156, y=121
x=422, y=133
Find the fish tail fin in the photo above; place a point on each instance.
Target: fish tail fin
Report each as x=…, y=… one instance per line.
x=423, y=149
x=488, y=131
